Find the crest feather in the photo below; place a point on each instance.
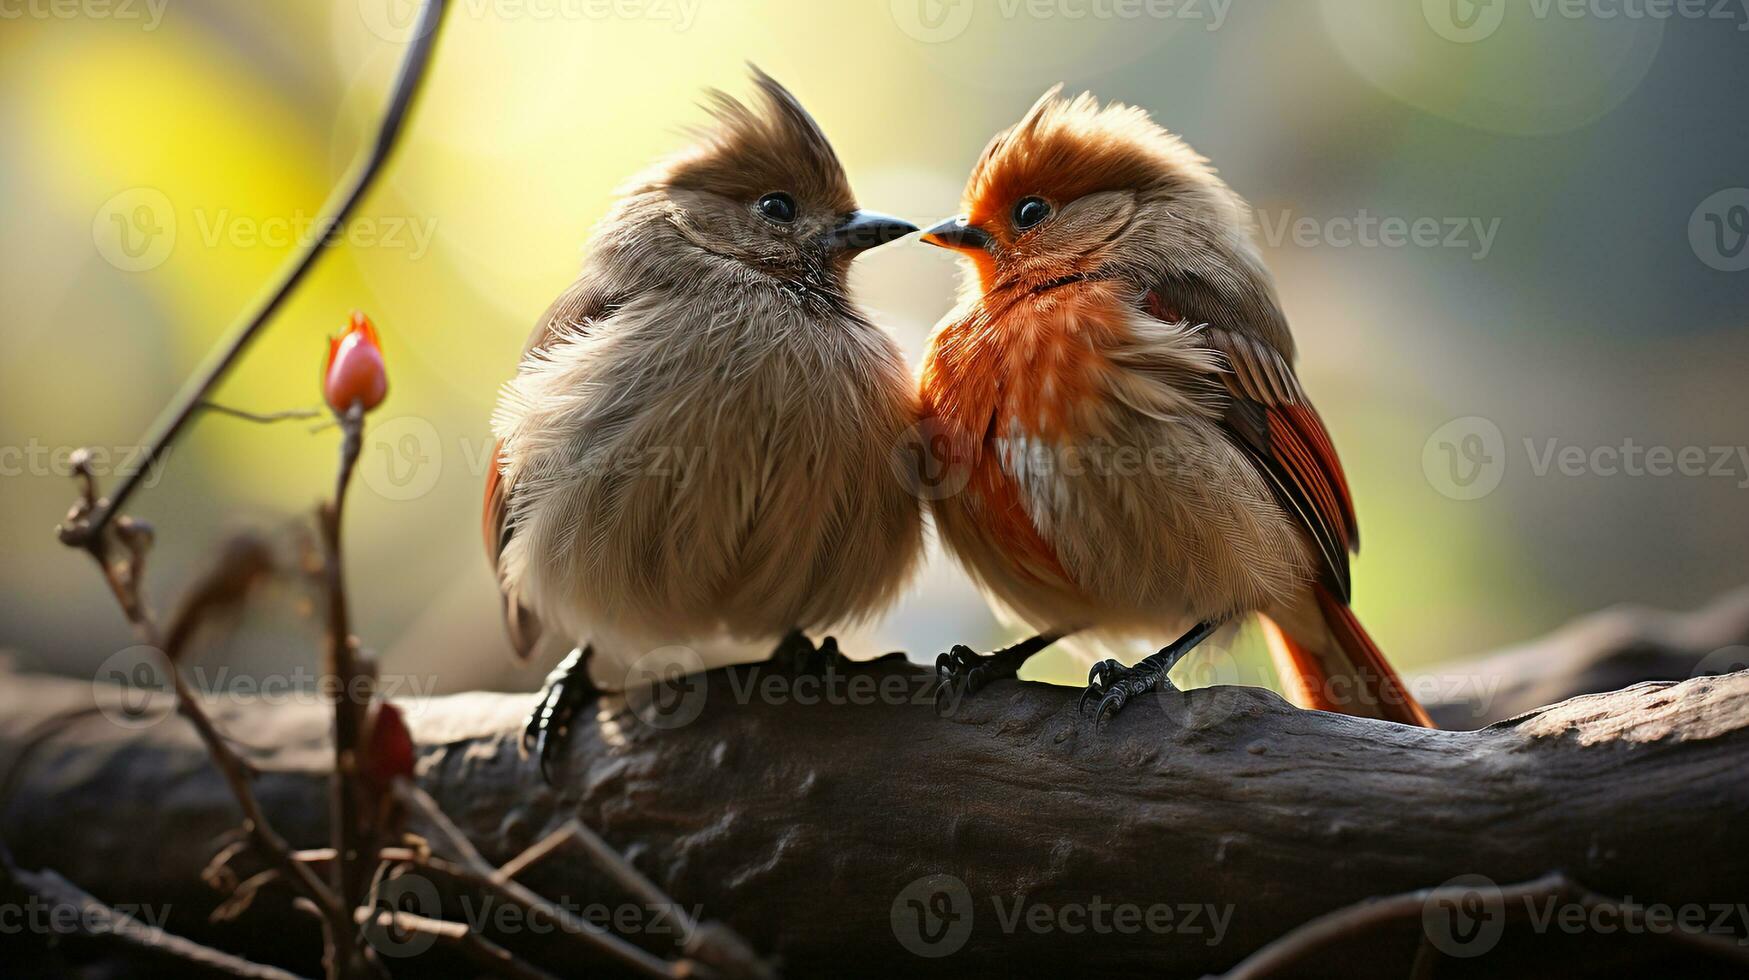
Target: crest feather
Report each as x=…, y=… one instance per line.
x=749, y=150
x=1064, y=148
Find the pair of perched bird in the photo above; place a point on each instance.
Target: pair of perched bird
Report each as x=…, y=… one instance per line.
x=1119, y=312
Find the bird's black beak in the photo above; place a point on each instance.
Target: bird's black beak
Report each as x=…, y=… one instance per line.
x=956, y=234
x=864, y=230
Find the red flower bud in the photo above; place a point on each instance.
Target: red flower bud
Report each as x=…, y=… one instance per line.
x=355, y=371
x=388, y=749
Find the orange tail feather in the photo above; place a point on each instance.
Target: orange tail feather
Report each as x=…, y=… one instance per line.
x=1344, y=670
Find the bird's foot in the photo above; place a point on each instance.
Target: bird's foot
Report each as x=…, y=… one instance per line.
x=962, y=672
x=568, y=690
x=1111, y=685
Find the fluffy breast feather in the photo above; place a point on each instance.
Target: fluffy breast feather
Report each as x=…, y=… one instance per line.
x=1101, y=487
x=709, y=461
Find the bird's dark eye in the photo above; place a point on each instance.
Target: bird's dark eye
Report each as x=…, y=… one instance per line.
x=1030, y=211
x=778, y=206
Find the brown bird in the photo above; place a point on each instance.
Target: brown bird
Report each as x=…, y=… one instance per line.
x=695, y=449
x=1118, y=392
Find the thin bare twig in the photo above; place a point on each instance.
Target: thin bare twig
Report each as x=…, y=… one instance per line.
x=85, y=530
x=124, y=578
x=707, y=947
x=477, y=871
x=266, y=418
x=1283, y=956
x=100, y=923
x=610, y=861
x=482, y=952
x=354, y=683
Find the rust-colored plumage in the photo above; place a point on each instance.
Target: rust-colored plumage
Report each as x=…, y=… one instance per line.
x=1119, y=375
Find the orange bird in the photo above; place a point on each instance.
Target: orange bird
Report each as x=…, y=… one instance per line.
x=1136, y=454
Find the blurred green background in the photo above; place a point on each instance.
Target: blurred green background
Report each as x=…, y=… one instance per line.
x=1576, y=279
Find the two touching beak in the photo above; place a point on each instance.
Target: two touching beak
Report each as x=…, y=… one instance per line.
x=864, y=230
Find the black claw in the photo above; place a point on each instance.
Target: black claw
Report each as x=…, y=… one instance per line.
x=1099, y=678
x=962, y=672
x=568, y=690
x=1111, y=686
x=1110, y=705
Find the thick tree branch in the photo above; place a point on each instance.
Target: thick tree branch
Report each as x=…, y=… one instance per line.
x=827, y=819
x=1604, y=651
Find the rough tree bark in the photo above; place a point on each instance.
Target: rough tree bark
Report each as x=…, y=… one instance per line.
x=817, y=817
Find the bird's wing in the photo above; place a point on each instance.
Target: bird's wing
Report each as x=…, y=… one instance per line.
x=1270, y=418
x=581, y=305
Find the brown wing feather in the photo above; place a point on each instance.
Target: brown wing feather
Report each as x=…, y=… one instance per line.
x=581, y=304
x=1273, y=421
x=1271, y=418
